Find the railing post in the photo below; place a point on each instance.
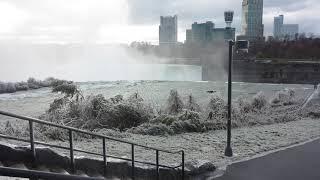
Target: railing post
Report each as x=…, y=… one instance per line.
x=104, y=157
x=71, y=151
x=182, y=173
x=132, y=161
x=157, y=163
x=32, y=148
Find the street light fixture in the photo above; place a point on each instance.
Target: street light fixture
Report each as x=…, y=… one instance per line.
x=228, y=17
x=242, y=45
x=228, y=150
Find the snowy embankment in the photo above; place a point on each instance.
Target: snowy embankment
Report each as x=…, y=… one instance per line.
x=265, y=123
x=210, y=146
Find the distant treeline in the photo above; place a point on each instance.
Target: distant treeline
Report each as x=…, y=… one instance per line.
x=32, y=83
x=301, y=48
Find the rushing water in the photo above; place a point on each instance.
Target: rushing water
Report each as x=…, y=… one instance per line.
x=153, y=92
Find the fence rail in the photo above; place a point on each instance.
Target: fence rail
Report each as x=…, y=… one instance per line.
x=104, y=154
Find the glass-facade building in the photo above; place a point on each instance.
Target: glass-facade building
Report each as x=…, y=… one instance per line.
x=284, y=31
x=277, y=25
x=289, y=31
x=206, y=33
x=252, y=17
x=168, y=30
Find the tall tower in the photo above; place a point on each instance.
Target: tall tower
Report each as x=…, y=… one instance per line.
x=252, y=17
x=277, y=26
x=168, y=30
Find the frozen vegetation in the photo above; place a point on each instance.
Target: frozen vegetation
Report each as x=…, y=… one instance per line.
x=170, y=115
x=119, y=115
x=32, y=83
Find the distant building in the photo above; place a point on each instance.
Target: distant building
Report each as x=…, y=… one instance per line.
x=252, y=16
x=284, y=31
x=189, y=37
x=277, y=25
x=168, y=30
x=206, y=33
x=290, y=31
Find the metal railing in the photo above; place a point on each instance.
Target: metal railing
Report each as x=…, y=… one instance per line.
x=104, y=154
x=32, y=174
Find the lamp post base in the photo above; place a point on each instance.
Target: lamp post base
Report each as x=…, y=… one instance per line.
x=228, y=151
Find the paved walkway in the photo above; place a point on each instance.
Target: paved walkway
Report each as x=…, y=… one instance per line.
x=297, y=163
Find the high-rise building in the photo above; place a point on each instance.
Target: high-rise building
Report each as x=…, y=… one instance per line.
x=206, y=33
x=289, y=31
x=168, y=30
x=282, y=31
x=277, y=25
x=201, y=33
x=189, y=36
x=252, y=16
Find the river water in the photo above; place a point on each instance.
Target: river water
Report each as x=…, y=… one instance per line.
x=155, y=93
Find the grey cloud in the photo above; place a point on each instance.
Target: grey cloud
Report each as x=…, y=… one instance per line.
x=148, y=12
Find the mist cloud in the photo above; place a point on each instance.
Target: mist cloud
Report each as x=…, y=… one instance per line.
x=48, y=24
x=113, y=21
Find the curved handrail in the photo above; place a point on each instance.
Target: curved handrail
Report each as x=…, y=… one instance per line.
x=103, y=137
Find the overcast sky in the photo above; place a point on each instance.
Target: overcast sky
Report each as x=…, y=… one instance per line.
x=123, y=21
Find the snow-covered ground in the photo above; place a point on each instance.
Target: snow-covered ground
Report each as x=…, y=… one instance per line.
x=210, y=146
x=246, y=142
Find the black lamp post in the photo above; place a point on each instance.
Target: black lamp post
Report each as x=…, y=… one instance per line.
x=228, y=15
x=228, y=150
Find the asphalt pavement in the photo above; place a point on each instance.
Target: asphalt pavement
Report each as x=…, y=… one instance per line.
x=296, y=163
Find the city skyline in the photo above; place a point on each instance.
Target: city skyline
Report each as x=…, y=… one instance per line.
x=123, y=21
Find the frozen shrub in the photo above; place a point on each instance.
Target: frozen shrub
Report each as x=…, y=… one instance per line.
x=125, y=115
x=174, y=103
x=55, y=133
x=135, y=98
x=117, y=99
x=188, y=115
x=56, y=82
x=192, y=104
x=12, y=129
x=3, y=87
x=22, y=86
x=216, y=106
x=259, y=101
x=9, y=129
x=93, y=106
x=192, y=125
x=56, y=105
x=33, y=83
x=96, y=112
x=283, y=97
x=244, y=105
x=164, y=119
x=69, y=90
x=11, y=88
